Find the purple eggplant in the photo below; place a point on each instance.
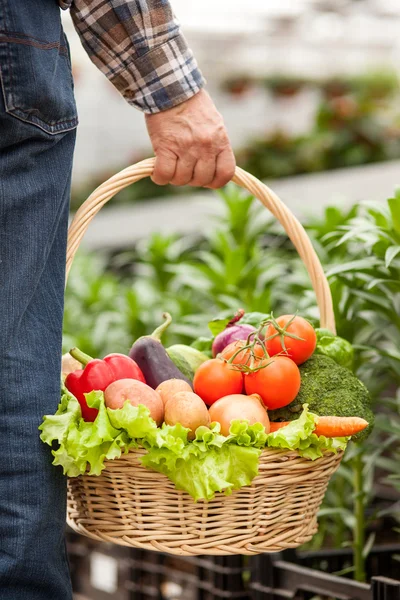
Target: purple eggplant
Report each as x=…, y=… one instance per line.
x=152, y=358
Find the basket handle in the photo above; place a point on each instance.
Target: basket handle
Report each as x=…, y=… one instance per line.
x=292, y=226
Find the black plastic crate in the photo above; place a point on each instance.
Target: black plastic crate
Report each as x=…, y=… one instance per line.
x=145, y=575
x=162, y=577
x=281, y=580
x=99, y=570
x=382, y=560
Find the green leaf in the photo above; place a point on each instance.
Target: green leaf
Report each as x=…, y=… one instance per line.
x=336, y=347
x=55, y=427
x=203, y=344
x=135, y=420
x=254, y=318
x=390, y=254
x=394, y=206
x=354, y=265
x=202, y=474
x=218, y=325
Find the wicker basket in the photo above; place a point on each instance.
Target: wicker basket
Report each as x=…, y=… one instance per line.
x=133, y=506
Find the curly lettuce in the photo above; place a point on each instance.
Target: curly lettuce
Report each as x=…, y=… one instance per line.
x=208, y=464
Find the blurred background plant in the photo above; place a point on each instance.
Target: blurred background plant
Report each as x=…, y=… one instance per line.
x=356, y=122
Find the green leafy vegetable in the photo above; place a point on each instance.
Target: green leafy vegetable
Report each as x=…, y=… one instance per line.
x=210, y=463
x=335, y=347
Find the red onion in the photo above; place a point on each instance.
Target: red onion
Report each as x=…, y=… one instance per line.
x=231, y=334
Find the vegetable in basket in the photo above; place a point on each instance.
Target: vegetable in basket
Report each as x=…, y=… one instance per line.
x=187, y=409
x=275, y=379
x=291, y=335
x=151, y=356
x=210, y=463
x=336, y=347
x=232, y=332
x=331, y=427
x=217, y=378
x=238, y=407
x=329, y=390
x=118, y=392
x=97, y=375
x=186, y=358
x=170, y=387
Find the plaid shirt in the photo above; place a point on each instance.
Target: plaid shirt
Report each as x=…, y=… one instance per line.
x=138, y=45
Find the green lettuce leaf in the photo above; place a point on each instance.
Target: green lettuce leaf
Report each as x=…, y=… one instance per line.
x=211, y=462
x=200, y=473
x=335, y=347
x=208, y=464
x=135, y=420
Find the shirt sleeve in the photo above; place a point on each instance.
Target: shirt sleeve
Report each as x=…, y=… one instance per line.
x=138, y=45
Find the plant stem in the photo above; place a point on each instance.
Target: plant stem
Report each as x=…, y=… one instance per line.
x=340, y=530
x=359, y=513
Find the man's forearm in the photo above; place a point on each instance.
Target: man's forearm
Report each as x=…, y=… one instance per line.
x=138, y=45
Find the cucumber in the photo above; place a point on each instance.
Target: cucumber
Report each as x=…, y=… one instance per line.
x=185, y=357
x=181, y=363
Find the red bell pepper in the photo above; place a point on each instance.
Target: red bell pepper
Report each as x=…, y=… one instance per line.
x=97, y=375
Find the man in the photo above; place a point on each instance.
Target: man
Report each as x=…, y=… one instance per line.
x=139, y=47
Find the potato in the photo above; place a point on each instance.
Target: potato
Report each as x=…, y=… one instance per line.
x=189, y=410
x=137, y=393
x=167, y=389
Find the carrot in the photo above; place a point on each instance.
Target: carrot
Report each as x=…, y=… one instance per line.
x=339, y=426
x=278, y=425
x=331, y=426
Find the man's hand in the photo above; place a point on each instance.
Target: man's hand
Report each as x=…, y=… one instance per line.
x=191, y=145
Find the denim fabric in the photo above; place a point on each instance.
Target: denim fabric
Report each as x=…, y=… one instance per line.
x=35, y=66
x=35, y=174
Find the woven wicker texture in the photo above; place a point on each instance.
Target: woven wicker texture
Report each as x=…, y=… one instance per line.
x=133, y=506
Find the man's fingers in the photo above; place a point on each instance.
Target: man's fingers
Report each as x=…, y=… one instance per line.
x=204, y=172
x=184, y=171
x=164, y=169
x=225, y=169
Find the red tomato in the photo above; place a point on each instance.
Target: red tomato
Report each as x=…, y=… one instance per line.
x=278, y=382
x=244, y=357
x=215, y=379
x=297, y=350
